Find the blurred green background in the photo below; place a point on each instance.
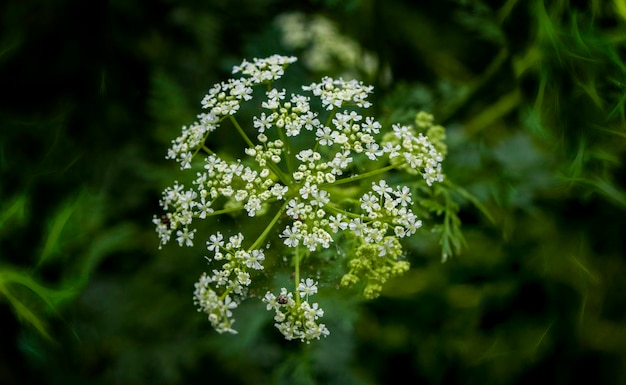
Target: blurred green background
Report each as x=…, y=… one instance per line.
x=532, y=93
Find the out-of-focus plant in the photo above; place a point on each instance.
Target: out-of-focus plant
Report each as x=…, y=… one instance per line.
x=37, y=291
x=323, y=48
x=18, y=286
x=581, y=50
x=337, y=189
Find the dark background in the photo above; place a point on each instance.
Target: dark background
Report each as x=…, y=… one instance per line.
x=532, y=94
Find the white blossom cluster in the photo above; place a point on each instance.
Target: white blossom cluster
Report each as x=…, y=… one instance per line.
x=414, y=153
x=336, y=92
x=223, y=100
x=385, y=209
x=232, y=279
x=297, y=319
x=301, y=185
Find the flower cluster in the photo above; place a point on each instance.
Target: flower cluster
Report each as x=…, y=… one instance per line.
x=301, y=191
x=224, y=100
x=233, y=279
x=297, y=319
x=415, y=153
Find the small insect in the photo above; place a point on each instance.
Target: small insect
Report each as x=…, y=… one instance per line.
x=282, y=299
x=165, y=220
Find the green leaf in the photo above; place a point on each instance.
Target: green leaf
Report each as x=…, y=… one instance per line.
x=10, y=281
x=55, y=228
x=15, y=210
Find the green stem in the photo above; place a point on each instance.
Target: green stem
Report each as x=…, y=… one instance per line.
x=269, y=227
x=203, y=147
x=278, y=172
x=330, y=118
x=505, y=10
x=274, y=167
x=241, y=132
x=233, y=209
x=366, y=175
x=297, y=277
x=333, y=208
x=224, y=211
x=225, y=293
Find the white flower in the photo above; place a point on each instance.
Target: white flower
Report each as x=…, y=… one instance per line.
x=357, y=226
x=309, y=120
x=382, y=187
x=254, y=259
x=404, y=196
x=215, y=242
x=243, y=278
x=324, y=136
x=312, y=312
x=372, y=151
x=307, y=287
x=270, y=300
x=228, y=305
x=279, y=190
x=371, y=126
x=319, y=197
x=295, y=209
x=292, y=237
x=341, y=161
x=307, y=189
x=337, y=222
x=234, y=242
x=204, y=207
x=263, y=122
x=185, y=237
x=252, y=206
x=392, y=150
x=369, y=203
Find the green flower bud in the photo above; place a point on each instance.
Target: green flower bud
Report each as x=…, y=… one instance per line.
x=372, y=290
x=349, y=280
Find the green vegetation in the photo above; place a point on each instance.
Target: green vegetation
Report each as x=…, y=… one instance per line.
x=529, y=220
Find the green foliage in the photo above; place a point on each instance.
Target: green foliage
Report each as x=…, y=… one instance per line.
x=69, y=244
x=532, y=95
